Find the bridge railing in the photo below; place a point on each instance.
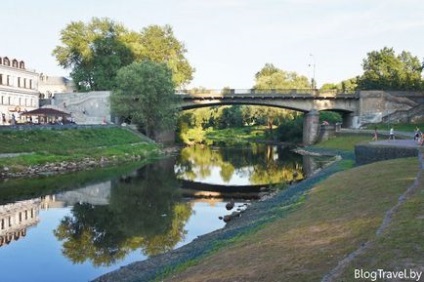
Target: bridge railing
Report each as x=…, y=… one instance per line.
x=225, y=91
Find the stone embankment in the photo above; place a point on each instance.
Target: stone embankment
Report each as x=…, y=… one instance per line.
x=65, y=166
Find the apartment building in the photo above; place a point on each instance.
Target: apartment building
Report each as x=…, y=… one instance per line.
x=18, y=90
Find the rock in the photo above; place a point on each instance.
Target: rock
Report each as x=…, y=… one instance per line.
x=227, y=218
x=230, y=205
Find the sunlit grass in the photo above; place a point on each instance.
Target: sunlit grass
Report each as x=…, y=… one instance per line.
x=63, y=141
x=336, y=218
x=248, y=133
x=55, y=146
x=344, y=142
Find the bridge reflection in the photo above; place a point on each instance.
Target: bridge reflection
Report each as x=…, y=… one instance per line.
x=200, y=190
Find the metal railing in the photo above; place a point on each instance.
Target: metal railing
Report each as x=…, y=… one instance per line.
x=313, y=92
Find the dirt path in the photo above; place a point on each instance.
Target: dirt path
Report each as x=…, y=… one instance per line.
x=335, y=273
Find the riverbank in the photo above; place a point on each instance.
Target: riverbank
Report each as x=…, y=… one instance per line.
x=32, y=153
x=306, y=232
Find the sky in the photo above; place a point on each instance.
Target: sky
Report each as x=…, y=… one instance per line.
x=229, y=41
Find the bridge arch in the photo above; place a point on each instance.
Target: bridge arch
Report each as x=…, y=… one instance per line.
x=308, y=104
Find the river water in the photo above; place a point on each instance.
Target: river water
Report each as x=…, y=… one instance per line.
x=79, y=226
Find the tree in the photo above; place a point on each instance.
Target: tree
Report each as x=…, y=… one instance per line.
x=88, y=47
x=99, y=72
x=95, y=51
x=386, y=71
x=270, y=77
x=160, y=45
x=145, y=95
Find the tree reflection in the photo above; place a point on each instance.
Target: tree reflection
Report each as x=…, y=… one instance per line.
x=262, y=164
x=144, y=212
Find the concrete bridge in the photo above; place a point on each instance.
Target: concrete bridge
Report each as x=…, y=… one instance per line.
x=358, y=108
x=304, y=100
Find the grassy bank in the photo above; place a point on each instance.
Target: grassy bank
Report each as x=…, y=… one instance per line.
x=338, y=216
x=39, y=147
x=238, y=135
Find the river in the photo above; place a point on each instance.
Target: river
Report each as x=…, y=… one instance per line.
x=79, y=226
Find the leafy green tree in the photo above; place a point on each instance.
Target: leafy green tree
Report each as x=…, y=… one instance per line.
x=94, y=52
x=329, y=86
x=349, y=85
x=82, y=41
x=161, y=46
x=145, y=96
x=291, y=130
x=270, y=77
x=231, y=117
x=330, y=117
x=99, y=72
x=384, y=70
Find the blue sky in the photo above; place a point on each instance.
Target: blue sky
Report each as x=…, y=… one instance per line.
x=228, y=41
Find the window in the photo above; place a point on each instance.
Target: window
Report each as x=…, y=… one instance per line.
x=19, y=82
x=15, y=63
x=8, y=80
x=6, y=61
x=1, y=79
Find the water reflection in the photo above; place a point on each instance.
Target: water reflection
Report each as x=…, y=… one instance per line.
x=253, y=165
x=86, y=224
x=16, y=218
x=144, y=212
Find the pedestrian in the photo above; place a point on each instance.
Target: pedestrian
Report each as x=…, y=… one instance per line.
x=375, y=134
x=417, y=134
x=391, y=134
x=421, y=139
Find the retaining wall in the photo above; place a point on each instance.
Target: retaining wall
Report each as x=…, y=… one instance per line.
x=368, y=153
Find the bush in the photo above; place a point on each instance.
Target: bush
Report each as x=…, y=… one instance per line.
x=291, y=130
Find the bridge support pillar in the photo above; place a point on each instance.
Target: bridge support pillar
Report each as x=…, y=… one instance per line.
x=311, y=127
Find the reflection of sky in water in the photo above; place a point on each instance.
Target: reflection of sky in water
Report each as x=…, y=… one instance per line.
x=38, y=255
x=239, y=177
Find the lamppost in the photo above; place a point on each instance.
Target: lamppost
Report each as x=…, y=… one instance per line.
x=313, y=82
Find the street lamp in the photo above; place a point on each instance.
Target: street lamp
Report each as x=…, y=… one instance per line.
x=313, y=82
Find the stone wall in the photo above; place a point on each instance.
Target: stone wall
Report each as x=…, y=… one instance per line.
x=368, y=153
x=375, y=106
x=86, y=108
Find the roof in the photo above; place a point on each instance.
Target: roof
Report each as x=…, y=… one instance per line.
x=46, y=112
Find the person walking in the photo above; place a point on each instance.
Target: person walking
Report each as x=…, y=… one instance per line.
x=375, y=134
x=417, y=134
x=391, y=133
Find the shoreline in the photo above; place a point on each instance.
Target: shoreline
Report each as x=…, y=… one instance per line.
x=257, y=214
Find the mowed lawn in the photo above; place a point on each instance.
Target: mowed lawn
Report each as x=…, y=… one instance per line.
x=53, y=146
x=337, y=217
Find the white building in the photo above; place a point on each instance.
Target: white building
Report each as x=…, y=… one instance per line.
x=18, y=90
x=50, y=85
